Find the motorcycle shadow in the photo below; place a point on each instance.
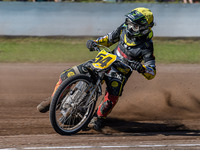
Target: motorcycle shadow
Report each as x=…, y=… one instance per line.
x=139, y=128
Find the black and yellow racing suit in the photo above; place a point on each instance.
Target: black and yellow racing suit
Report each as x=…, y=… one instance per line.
x=136, y=48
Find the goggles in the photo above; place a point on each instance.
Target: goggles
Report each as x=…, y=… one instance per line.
x=135, y=27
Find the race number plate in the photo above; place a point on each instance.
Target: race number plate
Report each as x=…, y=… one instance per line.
x=103, y=60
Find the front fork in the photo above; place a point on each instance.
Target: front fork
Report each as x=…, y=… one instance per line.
x=94, y=88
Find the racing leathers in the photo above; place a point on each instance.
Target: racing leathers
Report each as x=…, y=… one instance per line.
x=135, y=49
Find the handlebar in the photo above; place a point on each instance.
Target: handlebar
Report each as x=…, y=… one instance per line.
x=97, y=47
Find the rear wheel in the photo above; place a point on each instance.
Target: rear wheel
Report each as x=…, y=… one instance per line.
x=73, y=105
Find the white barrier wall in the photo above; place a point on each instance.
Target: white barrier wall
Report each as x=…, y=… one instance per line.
x=93, y=19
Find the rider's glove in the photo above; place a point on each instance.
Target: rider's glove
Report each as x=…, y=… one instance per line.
x=137, y=66
x=91, y=45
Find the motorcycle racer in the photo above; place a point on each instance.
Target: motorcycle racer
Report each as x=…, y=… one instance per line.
x=134, y=39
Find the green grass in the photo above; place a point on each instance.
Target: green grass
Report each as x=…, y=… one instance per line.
x=177, y=51
x=63, y=50
x=43, y=50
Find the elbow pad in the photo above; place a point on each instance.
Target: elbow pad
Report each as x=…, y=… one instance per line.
x=149, y=73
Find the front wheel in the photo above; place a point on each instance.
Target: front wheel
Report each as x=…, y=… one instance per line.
x=73, y=105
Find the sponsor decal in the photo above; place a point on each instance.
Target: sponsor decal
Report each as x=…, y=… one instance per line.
x=70, y=74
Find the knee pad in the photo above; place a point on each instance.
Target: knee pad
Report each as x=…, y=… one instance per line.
x=114, y=87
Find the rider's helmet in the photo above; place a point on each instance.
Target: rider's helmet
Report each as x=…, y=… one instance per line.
x=139, y=22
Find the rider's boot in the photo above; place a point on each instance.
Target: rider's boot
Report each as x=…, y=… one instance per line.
x=43, y=107
x=96, y=123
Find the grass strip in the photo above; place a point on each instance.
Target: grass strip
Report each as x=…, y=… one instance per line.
x=66, y=49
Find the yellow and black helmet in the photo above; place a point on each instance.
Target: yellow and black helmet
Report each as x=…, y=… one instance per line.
x=139, y=21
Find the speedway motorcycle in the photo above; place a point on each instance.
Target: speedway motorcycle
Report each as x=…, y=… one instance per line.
x=73, y=103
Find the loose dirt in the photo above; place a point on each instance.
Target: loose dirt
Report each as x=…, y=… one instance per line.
x=166, y=108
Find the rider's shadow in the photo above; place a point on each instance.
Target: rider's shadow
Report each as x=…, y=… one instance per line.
x=142, y=129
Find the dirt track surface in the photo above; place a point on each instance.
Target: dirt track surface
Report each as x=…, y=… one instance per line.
x=163, y=113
